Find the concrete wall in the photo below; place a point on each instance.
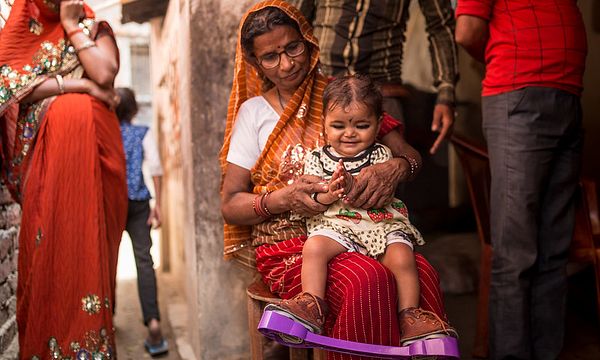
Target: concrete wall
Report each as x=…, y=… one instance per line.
x=10, y=218
x=192, y=54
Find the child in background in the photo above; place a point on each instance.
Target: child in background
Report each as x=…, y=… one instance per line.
x=140, y=147
x=352, y=112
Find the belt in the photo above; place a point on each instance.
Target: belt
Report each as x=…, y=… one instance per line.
x=394, y=90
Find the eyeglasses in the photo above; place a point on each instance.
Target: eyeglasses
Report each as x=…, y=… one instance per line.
x=292, y=50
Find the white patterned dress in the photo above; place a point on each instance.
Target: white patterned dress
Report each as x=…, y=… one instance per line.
x=365, y=231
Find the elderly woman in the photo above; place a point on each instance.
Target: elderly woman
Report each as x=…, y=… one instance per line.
x=274, y=115
x=63, y=161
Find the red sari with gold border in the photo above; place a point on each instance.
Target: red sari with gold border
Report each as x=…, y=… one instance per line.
x=63, y=161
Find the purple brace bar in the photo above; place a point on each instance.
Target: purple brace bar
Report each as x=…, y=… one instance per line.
x=291, y=333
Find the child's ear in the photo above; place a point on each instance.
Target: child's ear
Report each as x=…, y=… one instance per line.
x=323, y=131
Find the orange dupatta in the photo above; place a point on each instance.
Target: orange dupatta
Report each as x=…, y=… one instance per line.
x=300, y=123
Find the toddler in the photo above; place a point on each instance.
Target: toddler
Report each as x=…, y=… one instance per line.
x=352, y=111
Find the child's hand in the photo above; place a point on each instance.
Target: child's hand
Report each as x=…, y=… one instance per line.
x=341, y=181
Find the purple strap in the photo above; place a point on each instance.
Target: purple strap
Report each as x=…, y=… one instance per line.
x=291, y=333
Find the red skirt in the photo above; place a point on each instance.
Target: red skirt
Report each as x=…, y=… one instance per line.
x=74, y=210
x=361, y=292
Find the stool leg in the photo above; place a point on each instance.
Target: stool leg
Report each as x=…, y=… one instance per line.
x=256, y=338
x=298, y=354
x=319, y=354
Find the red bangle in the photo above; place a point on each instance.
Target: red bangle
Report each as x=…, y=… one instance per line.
x=260, y=207
x=74, y=31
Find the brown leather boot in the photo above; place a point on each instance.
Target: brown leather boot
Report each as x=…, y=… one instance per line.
x=418, y=324
x=306, y=308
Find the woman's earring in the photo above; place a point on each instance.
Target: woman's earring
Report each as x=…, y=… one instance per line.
x=292, y=61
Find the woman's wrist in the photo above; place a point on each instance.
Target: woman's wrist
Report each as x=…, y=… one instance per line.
x=273, y=203
x=413, y=165
x=77, y=86
x=70, y=25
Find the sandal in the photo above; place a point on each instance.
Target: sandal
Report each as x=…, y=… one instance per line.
x=157, y=349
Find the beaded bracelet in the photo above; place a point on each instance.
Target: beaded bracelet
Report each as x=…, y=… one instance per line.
x=412, y=163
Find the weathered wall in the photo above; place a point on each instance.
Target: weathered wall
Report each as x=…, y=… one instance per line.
x=222, y=318
x=10, y=218
x=192, y=55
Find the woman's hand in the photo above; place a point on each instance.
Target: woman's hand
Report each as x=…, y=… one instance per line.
x=375, y=185
x=71, y=11
x=108, y=96
x=297, y=196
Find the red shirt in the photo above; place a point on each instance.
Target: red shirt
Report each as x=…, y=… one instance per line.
x=531, y=43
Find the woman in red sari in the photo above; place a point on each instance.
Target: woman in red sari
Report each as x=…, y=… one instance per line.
x=274, y=115
x=63, y=161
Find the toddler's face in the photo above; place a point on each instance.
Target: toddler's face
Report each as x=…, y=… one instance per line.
x=351, y=130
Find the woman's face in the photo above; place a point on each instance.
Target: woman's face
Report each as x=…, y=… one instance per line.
x=291, y=71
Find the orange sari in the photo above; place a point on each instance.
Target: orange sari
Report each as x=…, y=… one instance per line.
x=63, y=161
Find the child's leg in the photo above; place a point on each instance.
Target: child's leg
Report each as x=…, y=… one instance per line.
x=316, y=253
x=400, y=259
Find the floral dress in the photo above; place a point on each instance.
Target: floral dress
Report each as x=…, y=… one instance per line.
x=364, y=231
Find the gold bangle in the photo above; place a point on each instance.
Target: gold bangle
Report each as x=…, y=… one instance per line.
x=61, y=83
x=86, y=45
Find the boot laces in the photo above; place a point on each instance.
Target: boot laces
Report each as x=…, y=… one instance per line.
x=430, y=316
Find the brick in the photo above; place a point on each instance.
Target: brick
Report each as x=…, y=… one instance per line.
x=12, y=281
x=9, y=234
x=12, y=305
x=5, y=197
x=10, y=215
x=5, y=294
x=4, y=315
x=6, y=267
x=7, y=239
x=8, y=330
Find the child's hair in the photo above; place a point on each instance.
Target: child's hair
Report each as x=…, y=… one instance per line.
x=127, y=107
x=345, y=90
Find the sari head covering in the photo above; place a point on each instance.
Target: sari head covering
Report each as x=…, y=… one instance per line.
x=299, y=126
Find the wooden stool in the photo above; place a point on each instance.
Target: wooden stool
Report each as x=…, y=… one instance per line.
x=258, y=296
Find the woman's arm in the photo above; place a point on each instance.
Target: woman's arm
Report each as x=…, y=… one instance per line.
x=375, y=185
x=51, y=87
x=99, y=60
x=237, y=199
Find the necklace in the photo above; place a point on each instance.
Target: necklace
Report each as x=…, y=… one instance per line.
x=280, y=100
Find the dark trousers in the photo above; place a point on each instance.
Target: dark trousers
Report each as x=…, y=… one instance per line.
x=534, y=138
x=139, y=232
